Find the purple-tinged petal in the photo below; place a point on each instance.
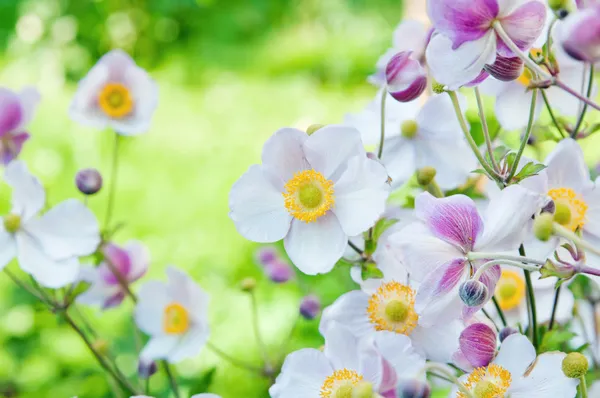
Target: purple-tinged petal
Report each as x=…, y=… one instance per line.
x=114, y=300
x=11, y=112
x=478, y=344
x=454, y=219
x=523, y=26
x=406, y=78
x=389, y=380
x=29, y=98
x=581, y=39
x=489, y=278
x=11, y=146
x=139, y=258
x=120, y=260
x=506, y=69
x=479, y=79
x=462, y=20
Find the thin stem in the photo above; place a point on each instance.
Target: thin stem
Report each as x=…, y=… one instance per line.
x=588, y=94
x=493, y=263
x=488, y=316
x=232, y=360
x=121, y=278
x=382, y=135
x=486, y=131
x=568, y=234
x=499, y=311
x=85, y=322
x=261, y=345
x=502, y=256
x=531, y=295
x=25, y=287
x=470, y=140
x=113, y=183
x=432, y=366
x=554, y=307
x=355, y=248
x=526, y=137
x=583, y=387
x=171, y=378
x=434, y=189
x=574, y=93
x=551, y=112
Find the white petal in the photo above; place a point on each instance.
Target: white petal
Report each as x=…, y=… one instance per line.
x=46, y=271
x=398, y=350
x=258, y=208
x=83, y=108
x=341, y=347
x=360, y=195
x=566, y=167
x=140, y=259
x=592, y=215
x=159, y=347
x=28, y=196
x=411, y=35
x=399, y=158
x=512, y=106
x=516, y=354
x=302, y=375
x=544, y=301
x=440, y=341
x=546, y=379
x=506, y=219
x=573, y=76
x=153, y=297
x=456, y=68
x=452, y=159
x=29, y=97
x=315, y=247
x=189, y=345
x=283, y=155
x=8, y=246
x=440, y=107
x=69, y=229
x=184, y=290
x=97, y=294
x=329, y=149
x=350, y=311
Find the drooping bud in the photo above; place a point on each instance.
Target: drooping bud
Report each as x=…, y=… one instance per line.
x=575, y=365
x=413, y=389
x=505, y=332
x=314, y=127
x=506, y=69
x=581, y=35
x=248, y=284
x=363, y=389
x=554, y=269
x=88, y=181
x=310, y=307
x=406, y=78
x=279, y=271
x=478, y=344
x=543, y=226
x=562, y=214
x=426, y=175
x=556, y=5
x=473, y=293
x=146, y=368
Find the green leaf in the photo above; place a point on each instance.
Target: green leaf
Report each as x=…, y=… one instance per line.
x=554, y=339
x=204, y=381
x=510, y=159
x=370, y=271
x=381, y=226
x=530, y=169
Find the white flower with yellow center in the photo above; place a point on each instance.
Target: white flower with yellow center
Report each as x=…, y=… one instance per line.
x=390, y=307
x=46, y=246
x=345, y=363
x=516, y=372
x=313, y=192
x=115, y=93
x=174, y=314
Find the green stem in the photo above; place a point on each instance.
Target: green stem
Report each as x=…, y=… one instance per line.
x=433, y=366
x=470, y=140
x=554, y=307
x=382, y=135
x=583, y=387
x=499, y=311
x=552, y=116
x=493, y=263
x=434, y=189
x=590, y=85
x=171, y=378
x=232, y=360
x=531, y=296
x=113, y=183
x=526, y=138
x=27, y=288
x=568, y=234
x=502, y=256
x=486, y=132
x=261, y=345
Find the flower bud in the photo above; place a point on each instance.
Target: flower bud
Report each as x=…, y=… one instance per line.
x=248, y=284
x=438, y=88
x=279, y=271
x=473, y=293
x=575, y=365
x=363, y=389
x=406, y=78
x=505, y=332
x=146, y=368
x=556, y=5
x=581, y=35
x=543, y=226
x=266, y=255
x=314, y=127
x=413, y=389
x=561, y=271
x=88, y=181
x=310, y=307
x=425, y=175
x=478, y=344
x=506, y=69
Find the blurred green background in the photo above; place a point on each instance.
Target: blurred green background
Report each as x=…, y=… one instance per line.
x=230, y=73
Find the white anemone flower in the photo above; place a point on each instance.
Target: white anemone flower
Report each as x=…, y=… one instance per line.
x=174, y=314
x=518, y=373
x=46, y=246
x=344, y=363
x=312, y=191
x=116, y=93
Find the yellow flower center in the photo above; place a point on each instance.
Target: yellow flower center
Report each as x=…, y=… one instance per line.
x=510, y=290
x=12, y=223
x=392, y=308
x=340, y=384
x=490, y=381
x=115, y=100
x=309, y=195
x=574, y=203
x=176, y=319
x=525, y=78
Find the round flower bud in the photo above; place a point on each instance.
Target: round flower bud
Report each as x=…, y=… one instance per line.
x=425, y=175
x=279, y=271
x=581, y=35
x=146, y=368
x=266, y=255
x=88, y=181
x=506, y=69
x=505, y=332
x=473, y=293
x=543, y=225
x=406, y=78
x=314, y=127
x=413, y=389
x=310, y=306
x=562, y=214
x=575, y=365
x=248, y=284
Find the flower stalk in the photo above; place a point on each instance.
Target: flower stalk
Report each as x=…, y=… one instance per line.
x=526, y=137
x=486, y=132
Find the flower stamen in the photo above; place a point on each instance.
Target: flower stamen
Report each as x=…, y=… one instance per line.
x=340, y=384
x=176, y=319
x=309, y=195
x=115, y=100
x=572, y=201
x=392, y=308
x=490, y=381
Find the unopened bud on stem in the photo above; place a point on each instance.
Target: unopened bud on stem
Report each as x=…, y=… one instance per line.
x=543, y=226
x=575, y=365
x=473, y=293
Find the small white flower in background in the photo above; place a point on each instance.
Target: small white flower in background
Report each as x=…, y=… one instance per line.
x=116, y=93
x=415, y=138
x=517, y=372
x=16, y=111
x=193, y=396
x=174, y=314
x=312, y=191
x=344, y=363
x=46, y=246
x=131, y=262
